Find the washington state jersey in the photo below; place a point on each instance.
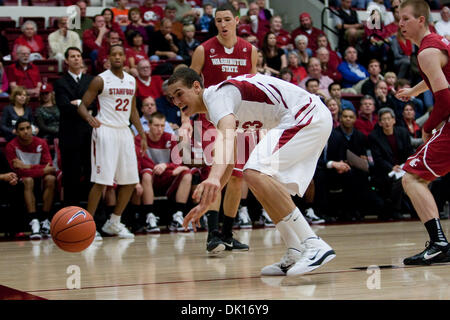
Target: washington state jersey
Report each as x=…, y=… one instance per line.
x=260, y=102
x=116, y=99
x=221, y=63
x=434, y=40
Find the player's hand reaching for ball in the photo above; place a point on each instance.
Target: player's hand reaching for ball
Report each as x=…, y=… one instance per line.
x=205, y=194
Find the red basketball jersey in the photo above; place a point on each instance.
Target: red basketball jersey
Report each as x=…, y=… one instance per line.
x=222, y=63
x=433, y=40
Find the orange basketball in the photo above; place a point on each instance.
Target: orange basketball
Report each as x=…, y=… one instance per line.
x=73, y=229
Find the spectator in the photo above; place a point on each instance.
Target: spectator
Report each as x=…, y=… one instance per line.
x=4, y=83
x=150, y=12
x=4, y=46
x=47, y=115
x=163, y=43
x=307, y=29
x=408, y=121
x=376, y=37
x=161, y=175
x=398, y=105
x=390, y=146
x=328, y=69
x=315, y=71
x=24, y=73
x=17, y=109
x=148, y=108
x=402, y=49
x=166, y=107
x=185, y=13
x=94, y=38
x=9, y=196
x=206, y=18
x=335, y=58
x=350, y=28
x=60, y=40
x=135, y=52
x=335, y=92
x=188, y=44
x=245, y=32
x=121, y=14
x=335, y=109
x=111, y=24
x=32, y=40
x=301, y=48
x=391, y=28
x=264, y=13
x=352, y=72
x=312, y=86
x=147, y=85
x=74, y=132
x=261, y=65
x=443, y=25
x=259, y=26
x=367, y=118
x=275, y=56
x=85, y=22
x=30, y=159
x=391, y=79
x=283, y=37
x=286, y=75
x=298, y=71
x=136, y=24
x=102, y=63
x=381, y=95
x=368, y=86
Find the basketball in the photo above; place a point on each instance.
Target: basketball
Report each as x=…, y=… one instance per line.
x=73, y=229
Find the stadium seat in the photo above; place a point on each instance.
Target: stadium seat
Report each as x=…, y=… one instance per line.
x=40, y=21
x=45, y=3
x=10, y=2
x=201, y=36
x=7, y=22
x=12, y=34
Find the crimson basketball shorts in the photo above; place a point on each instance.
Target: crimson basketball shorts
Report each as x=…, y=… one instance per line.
x=432, y=160
x=165, y=184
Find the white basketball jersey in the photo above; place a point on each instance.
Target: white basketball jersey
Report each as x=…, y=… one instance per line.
x=116, y=99
x=260, y=102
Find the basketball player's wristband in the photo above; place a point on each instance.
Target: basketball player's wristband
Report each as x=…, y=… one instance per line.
x=440, y=112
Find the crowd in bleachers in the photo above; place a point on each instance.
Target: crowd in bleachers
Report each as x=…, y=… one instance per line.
x=374, y=132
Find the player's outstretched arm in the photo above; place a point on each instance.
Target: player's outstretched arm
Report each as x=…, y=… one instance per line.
x=95, y=87
x=254, y=60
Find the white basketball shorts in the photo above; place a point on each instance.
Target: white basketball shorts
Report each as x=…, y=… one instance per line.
x=290, y=155
x=113, y=156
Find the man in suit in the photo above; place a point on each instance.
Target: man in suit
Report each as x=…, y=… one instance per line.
x=74, y=132
x=391, y=147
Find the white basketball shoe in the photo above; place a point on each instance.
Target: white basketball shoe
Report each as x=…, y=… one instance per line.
x=117, y=229
x=316, y=253
x=281, y=268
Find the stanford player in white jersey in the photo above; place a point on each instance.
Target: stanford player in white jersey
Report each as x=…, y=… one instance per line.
x=113, y=154
x=217, y=59
x=282, y=163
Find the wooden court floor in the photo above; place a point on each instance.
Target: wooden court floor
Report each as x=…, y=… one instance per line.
x=174, y=266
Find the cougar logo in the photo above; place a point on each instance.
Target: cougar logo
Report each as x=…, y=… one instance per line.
x=413, y=163
x=39, y=148
x=78, y=214
x=245, y=49
x=212, y=51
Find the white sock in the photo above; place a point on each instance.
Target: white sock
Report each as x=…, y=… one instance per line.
x=289, y=237
x=298, y=224
x=114, y=218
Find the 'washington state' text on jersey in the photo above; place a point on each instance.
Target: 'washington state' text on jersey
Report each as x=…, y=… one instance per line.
x=116, y=99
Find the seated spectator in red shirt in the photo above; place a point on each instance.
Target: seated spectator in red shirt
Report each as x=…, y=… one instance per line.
x=147, y=85
x=283, y=37
x=335, y=59
x=94, y=37
x=298, y=72
x=32, y=40
x=306, y=28
x=328, y=69
x=17, y=109
x=367, y=118
x=136, y=24
x=135, y=52
x=24, y=73
x=259, y=26
x=150, y=12
x=30, y=159
x=108, y=14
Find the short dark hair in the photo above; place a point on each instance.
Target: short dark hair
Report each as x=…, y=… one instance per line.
x=115, y=45
x=334, y=84
x=227, y=7
x=19, y=121
x=187, y=75
x=310, y=80
x=66, y=54
x=157, y=115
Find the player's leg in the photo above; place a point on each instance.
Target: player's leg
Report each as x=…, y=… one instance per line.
x=426, y=208
x=231, y=202
x=30, y=204
x=49, y=183
x=148, y=198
